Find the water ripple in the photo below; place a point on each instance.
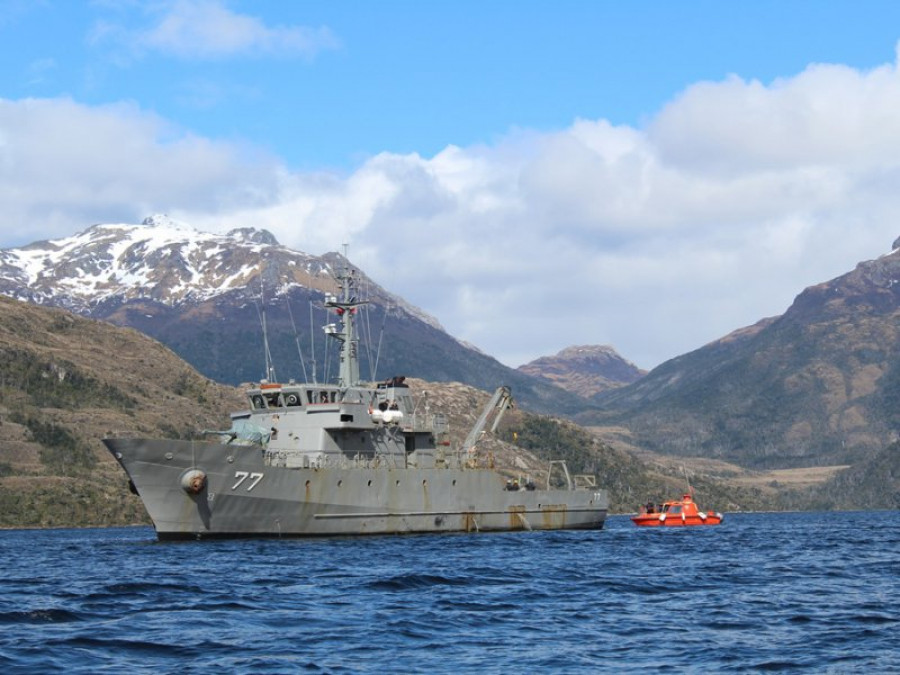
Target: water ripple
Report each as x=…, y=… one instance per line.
x=763, y=592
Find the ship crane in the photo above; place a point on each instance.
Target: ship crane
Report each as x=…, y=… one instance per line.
x=500, y=402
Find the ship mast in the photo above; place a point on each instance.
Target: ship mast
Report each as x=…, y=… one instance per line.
x=345, y=305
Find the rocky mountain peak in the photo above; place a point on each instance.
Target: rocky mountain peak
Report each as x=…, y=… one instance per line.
x=163, y=220
x=253, y=236
x=585, y=369
x=161, y=259
x=166, y=278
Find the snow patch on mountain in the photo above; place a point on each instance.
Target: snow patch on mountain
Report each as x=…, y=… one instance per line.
x=163, y=259
x=170, y=262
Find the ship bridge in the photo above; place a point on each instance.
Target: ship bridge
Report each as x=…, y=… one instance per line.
x=319, y=424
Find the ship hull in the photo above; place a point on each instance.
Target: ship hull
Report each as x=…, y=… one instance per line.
x=244, y=496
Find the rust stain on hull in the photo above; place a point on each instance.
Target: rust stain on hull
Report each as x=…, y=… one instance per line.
x=517, y=518
x=553, y=516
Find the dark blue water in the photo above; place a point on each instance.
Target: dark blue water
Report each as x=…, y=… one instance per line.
x=762, y=592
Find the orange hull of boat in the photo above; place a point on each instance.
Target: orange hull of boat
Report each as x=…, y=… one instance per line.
x=683, y=513
x=652, y=520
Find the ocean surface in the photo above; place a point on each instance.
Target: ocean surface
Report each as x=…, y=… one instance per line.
x=801, y=592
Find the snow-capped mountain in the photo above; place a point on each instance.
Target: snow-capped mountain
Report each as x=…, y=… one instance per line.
x=168, y=262
x=160, y=259
x=201, y=295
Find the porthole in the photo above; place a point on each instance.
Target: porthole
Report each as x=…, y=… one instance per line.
x=340, y=482
x=369, y=483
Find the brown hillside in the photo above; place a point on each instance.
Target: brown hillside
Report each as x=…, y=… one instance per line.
x=65, y=383
x=817, y=386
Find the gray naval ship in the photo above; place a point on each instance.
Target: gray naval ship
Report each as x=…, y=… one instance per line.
x=344, y=459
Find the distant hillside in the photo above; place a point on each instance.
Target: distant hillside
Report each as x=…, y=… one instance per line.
x=585, y=370
x=817, y=386
x=66, y=382
x=873, y=483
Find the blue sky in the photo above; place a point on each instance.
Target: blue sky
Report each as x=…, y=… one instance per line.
x=417, y=76
x=687, y=166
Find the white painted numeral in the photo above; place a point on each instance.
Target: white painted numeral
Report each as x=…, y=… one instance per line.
x=241, y=476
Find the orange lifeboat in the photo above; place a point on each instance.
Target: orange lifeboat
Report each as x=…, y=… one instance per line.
x=675, y=514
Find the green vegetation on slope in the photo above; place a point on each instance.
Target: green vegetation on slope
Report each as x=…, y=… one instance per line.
x=56, y=383
x=67, y=382
x=62, y=452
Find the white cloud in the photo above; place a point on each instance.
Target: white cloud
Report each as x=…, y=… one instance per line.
x=657, y=240
x=206, y=29
x=826, y=115
x=64, y=165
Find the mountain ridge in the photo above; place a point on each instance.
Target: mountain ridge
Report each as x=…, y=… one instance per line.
x=207, y=296
x=169, y=262
x=818, y=385
x=586, y=370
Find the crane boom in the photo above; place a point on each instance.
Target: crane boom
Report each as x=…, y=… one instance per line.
x=500, y=402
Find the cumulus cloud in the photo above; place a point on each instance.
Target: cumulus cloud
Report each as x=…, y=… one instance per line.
x=206, y=29
x=62, y=162
x=827, y=115
x=658, y=239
